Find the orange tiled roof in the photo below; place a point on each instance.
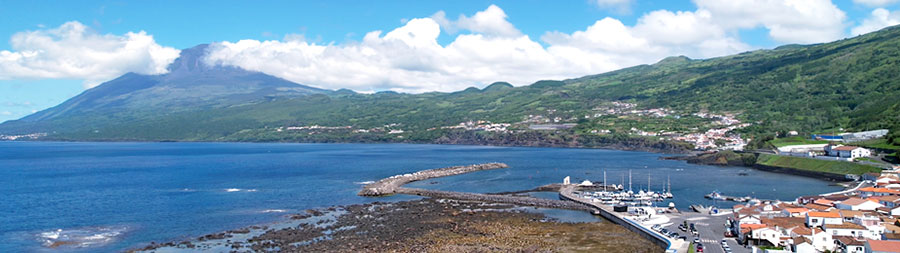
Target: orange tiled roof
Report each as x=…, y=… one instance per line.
x=879, y=190
x=884, y=246
x=812, y=206
x=854, y=201
x=845, y=148
x=890, y=198
x=824, y=214
x=845, y=225
x=751, y=227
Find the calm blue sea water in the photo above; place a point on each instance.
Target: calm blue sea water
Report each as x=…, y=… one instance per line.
x=135, y=193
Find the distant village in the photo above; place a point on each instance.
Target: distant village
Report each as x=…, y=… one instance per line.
x=863, y=219
x=22, y=137
x=720, y=134
x=720, y=138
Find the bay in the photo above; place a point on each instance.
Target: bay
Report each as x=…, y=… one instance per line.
x=134, y=193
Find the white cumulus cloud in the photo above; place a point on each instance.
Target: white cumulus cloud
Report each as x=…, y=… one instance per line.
x=410, y=59
x=491, y=21
x=788, y=21
x=880, y=18
x=74, y=51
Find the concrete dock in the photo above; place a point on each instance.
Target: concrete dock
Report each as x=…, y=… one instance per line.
x=670, y=244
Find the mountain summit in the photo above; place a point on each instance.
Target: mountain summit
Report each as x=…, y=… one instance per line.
x=190, y=84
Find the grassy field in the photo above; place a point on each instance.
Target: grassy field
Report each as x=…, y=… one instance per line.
x=810, y=164
x=796, y=140
x=877, y=143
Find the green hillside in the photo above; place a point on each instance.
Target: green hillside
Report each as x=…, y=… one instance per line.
x=851, y=84
x=815, y=165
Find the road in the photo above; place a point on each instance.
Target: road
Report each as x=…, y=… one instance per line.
x=711, y=228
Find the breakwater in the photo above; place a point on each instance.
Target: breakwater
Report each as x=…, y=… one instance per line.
x=394, y=185
x=390, y=185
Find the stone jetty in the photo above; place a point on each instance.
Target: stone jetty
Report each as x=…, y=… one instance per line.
x=390, y=185
x=394, y=185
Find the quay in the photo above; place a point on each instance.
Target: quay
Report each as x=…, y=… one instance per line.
x=671, y=245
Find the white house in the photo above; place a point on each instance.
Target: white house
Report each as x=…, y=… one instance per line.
x=805, y=247
x=858, y=204
x=849, y=244
x=817, y=219
x=847, y=151
x=849, y=229
x=889, y=201
x=819, y=239
x=767, y=234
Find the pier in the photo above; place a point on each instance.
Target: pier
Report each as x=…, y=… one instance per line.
x=671, y=245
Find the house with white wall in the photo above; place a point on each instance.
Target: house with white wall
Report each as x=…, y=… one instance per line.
x=858, y=204
x=817, y=219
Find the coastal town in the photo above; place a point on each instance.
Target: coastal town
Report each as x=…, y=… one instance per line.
x=864, y=218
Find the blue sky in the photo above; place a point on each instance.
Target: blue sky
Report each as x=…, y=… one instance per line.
x=546, y=31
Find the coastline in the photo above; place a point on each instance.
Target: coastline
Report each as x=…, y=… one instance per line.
x=238, y=146
x=427, y=225
x=630, y=143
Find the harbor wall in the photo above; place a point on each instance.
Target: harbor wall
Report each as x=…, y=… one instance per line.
x=654, y=237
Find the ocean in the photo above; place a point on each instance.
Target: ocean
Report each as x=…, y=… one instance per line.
x=117, y=196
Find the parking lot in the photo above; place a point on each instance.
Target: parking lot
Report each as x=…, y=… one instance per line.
x=711, y=231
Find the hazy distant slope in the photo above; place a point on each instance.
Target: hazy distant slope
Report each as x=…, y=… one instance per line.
x=190, y=85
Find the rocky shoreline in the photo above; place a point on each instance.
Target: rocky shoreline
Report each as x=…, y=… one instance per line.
x=427, y=225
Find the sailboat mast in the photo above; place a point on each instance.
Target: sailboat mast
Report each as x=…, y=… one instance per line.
x=669, y=182
x=629, y=180
x=605, y=184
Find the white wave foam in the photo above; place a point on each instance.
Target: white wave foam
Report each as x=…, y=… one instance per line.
x=81, y=237
x=274, y=211
x=364, y=182
x=239, y=190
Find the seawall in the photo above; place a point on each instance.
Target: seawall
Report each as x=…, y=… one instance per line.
x=609, y=214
